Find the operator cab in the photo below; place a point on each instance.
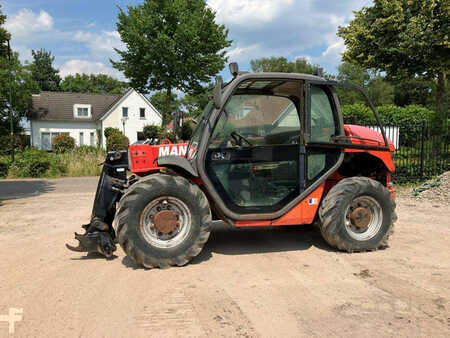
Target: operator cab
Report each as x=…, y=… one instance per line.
x=256, y=158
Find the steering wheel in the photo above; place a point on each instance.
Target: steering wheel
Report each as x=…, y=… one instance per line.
x=293, y=140
x=238, y=138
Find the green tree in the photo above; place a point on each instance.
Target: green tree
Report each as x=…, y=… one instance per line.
x=159, y=101
x=194, y=104
x=4, y=35
x=404, y=38
x=415, y=90
x=170, y=44
x=281, y=64
x=22, y=85
x=380, y=91
x=43, y=72
x=93, y=83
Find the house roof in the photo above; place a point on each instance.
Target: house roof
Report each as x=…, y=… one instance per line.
x=59, y=105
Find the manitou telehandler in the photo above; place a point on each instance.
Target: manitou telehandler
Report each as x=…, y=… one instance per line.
x=270, y=149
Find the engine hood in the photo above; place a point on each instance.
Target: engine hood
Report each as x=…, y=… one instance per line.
x=366, y=135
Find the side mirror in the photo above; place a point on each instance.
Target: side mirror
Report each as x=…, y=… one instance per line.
x=234, y=69
x=218, y=92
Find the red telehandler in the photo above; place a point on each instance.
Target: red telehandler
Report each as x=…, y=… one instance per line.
x=270, y=149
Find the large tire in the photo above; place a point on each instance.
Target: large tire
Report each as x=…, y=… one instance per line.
x=148, y=250
x=336, y=211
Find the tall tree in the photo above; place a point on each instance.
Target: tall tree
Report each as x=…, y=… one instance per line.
x=158, y=100
x=281, y=64
x=22, y=85
x=43, y=72
x=404, y=38
x=415, y=90
x=194, y=104
x=170, y=44
x=4, y=35
x=377, y=87
x=93, y=83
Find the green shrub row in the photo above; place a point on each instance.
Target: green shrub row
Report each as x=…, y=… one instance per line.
x=389, y=114
x=33, y=162
x=408, y=119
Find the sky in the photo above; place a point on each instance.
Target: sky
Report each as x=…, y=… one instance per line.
x=82, y=35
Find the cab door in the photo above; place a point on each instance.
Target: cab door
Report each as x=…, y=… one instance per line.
x=253, y=157
x=323, y=128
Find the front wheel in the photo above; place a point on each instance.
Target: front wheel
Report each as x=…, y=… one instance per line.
x=358, y=214
x=163, y=221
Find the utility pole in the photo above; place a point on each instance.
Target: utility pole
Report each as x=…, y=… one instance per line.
x=11, y=125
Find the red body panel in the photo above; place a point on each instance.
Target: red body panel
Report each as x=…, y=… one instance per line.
x=143, y=156
x=302, y=213
x=363, y=135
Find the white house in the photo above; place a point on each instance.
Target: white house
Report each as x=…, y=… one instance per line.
x=85, y=116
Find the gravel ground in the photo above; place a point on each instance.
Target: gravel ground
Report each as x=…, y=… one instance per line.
x=436, y=191
x=263, y=282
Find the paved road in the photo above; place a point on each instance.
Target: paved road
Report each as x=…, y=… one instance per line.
x=11, y=189
x=246, y=282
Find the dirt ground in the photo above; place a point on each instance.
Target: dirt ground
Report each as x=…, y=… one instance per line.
x=273, y=282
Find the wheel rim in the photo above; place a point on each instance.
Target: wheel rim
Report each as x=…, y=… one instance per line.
x=165, y=222
x=363, y=218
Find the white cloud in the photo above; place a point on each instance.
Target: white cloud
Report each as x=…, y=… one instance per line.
x=248, y=13
x=24, y=53
x=26, y=22
x=288, y=28
x=89, y=67
x=239, y=53
x=102, y=42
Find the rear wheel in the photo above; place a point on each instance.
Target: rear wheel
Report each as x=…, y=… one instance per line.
x=358, y=214
x=163, y=221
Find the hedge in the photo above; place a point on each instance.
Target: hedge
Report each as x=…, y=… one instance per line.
x=63, y=143
x=408, y=119
x=152, y=133
x=110, y=130
x=117, y=142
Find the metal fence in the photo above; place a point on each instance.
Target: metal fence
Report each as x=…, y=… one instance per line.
x=422, y=150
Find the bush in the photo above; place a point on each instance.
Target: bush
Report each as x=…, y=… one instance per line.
x=63, y=143
x=4, y=166
x=30, y=163
x=153, y=133
x=186, y=130
x=5, y=143
x=389, y=114
x=166, y=134
x=110, y=130
x=117, y=142
x=408, y=118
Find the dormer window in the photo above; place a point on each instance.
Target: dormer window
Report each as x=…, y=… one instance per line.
x=82, y=111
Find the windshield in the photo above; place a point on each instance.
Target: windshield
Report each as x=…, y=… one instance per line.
x=198, y=132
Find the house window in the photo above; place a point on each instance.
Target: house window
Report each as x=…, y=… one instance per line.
x=47, y=138
x=81, y=138
x=142, y=113
x=140, y=136
x=82, y=110
x=92, y=139
x=124, y=111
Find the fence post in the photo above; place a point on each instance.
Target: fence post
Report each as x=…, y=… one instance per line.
x=422, y=147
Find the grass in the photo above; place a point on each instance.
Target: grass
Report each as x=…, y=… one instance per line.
x=81, y=164
x=83, y=161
